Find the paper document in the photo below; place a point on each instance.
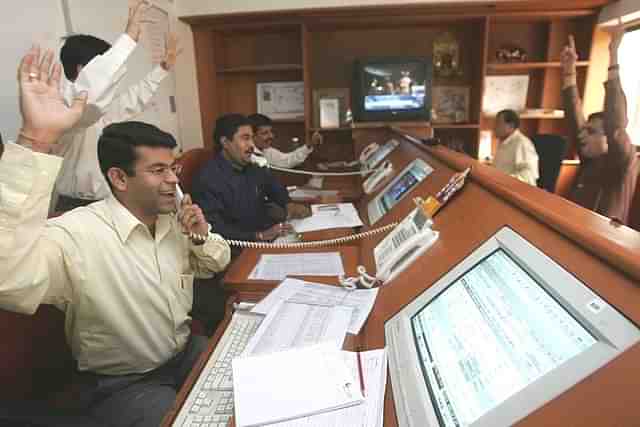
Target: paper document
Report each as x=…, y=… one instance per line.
x=369, y=414
x=279, y=266
x=300, y=291
x=311, y=193
x=326, y=216
x=294, y=383
x=316, y=182
x=291, y=325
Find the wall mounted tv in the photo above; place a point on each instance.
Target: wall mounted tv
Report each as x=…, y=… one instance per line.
x=393, y=88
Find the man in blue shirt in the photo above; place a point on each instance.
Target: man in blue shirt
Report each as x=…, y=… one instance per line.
x=238, y=197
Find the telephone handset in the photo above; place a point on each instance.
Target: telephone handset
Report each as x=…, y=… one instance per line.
x=295, y=245
x=368, y=152
x=377, y=178
x=410, y=239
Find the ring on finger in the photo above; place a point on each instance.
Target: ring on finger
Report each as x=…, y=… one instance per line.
x=32, y=76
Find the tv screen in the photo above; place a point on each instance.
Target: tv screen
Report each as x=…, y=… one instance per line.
x=392, y=89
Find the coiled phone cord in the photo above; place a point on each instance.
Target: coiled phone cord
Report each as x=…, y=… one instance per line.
x=298, y=245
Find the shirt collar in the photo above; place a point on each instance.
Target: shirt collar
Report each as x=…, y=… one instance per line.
x=125, y=222
x=514, y=135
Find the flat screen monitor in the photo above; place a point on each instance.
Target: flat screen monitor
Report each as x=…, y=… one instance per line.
x=379, y=155
x=397, y=189
x=501, y=334
x=395, y=88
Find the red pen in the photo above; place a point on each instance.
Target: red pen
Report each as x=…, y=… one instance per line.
x=360, y=373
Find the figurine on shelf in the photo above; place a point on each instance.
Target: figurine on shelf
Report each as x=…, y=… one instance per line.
x=511, y=53
x=446, y=56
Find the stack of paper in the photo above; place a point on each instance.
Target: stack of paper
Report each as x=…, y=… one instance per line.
x=290, y=384
x=291, y=325
x=368, y=414
x=327, y=216
x=294, y=290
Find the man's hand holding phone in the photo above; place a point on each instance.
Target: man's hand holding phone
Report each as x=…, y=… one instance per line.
x=192, y=220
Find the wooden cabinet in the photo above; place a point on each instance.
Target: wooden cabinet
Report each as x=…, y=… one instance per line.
x=234, y=53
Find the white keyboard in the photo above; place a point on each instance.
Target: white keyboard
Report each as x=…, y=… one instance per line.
x=210, y=402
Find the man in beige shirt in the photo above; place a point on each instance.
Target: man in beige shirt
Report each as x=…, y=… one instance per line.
x=516, y=154
x=121, y=269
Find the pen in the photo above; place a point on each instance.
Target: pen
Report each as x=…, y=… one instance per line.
x=360, y=373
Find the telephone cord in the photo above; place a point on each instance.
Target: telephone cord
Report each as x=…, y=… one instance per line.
x=298, y=245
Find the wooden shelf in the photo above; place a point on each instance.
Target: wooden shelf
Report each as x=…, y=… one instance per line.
x=288, y=121
x=340, y=129
x=522, y=66
x=260, y=68
x=455, y=126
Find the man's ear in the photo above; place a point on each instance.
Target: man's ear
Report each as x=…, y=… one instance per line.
x=118, y=179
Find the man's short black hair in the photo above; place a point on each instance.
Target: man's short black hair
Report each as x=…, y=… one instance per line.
x=79, y=49
x=227, y=126
x=510, y=117
x=118, y=142
x=259, y=120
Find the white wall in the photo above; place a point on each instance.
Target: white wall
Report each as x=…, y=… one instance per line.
x=23, y=23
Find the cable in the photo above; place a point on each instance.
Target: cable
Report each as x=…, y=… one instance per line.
x=361, y=172
x=299, y=245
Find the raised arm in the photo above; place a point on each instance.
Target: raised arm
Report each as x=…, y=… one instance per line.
x=137, y=97
x=32, y=265
x=570, y=95
x=100, y=77
x=620, y=149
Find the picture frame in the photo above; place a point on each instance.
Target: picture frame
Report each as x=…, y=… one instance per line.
x=450, y=104
x=280, y=100
x=324, y=102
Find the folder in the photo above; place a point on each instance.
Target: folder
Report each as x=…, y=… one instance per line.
x=295, y=383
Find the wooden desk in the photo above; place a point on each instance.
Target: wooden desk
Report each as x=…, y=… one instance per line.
x=599, y=253
x=236, y=279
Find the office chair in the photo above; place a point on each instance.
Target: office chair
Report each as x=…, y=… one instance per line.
x=551, y=150
x=192, y=161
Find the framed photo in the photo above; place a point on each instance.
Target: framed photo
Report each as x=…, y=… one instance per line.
x=281, y=100
x=450, y=104
x=330, y=107
x=505, y=92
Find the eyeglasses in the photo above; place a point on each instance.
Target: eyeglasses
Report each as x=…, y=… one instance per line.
x=164, y=170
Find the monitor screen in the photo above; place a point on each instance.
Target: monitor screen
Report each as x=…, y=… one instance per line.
x=503, y=332
x=488, y=335
x=403, y=185
x=394, y=86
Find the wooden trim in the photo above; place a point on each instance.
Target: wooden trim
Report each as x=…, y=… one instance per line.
x=541, y=10
x=616, y=244
x=306, y=77
x=260, y=68
x=522, y=66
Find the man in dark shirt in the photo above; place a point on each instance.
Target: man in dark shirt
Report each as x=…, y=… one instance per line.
x=608, y=167
x=235, y=194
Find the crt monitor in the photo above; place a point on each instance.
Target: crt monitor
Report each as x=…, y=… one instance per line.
x=396, y=88
x=501, y=334
x=397, y=189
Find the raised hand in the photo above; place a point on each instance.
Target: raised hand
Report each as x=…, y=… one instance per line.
x=569, y=57
x=136, y=19
x=316, y=140
x=171, y=52
x=45, y=115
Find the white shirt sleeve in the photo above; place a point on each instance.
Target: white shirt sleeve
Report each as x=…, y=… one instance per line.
x=136, y=98
x=32, y=269
x=100, y=77
x=526, y=162
x=292, y=159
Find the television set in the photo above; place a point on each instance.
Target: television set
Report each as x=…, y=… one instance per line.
x=502, y=333
x=391, y=89
x=397, y=189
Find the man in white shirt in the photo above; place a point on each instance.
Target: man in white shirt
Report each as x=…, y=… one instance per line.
x=121, y=269
x=516, y=155
x=93, y=65
x=263, y=136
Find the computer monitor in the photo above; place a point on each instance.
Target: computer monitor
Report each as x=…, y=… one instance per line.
x=397, y=189
x=501, y=334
